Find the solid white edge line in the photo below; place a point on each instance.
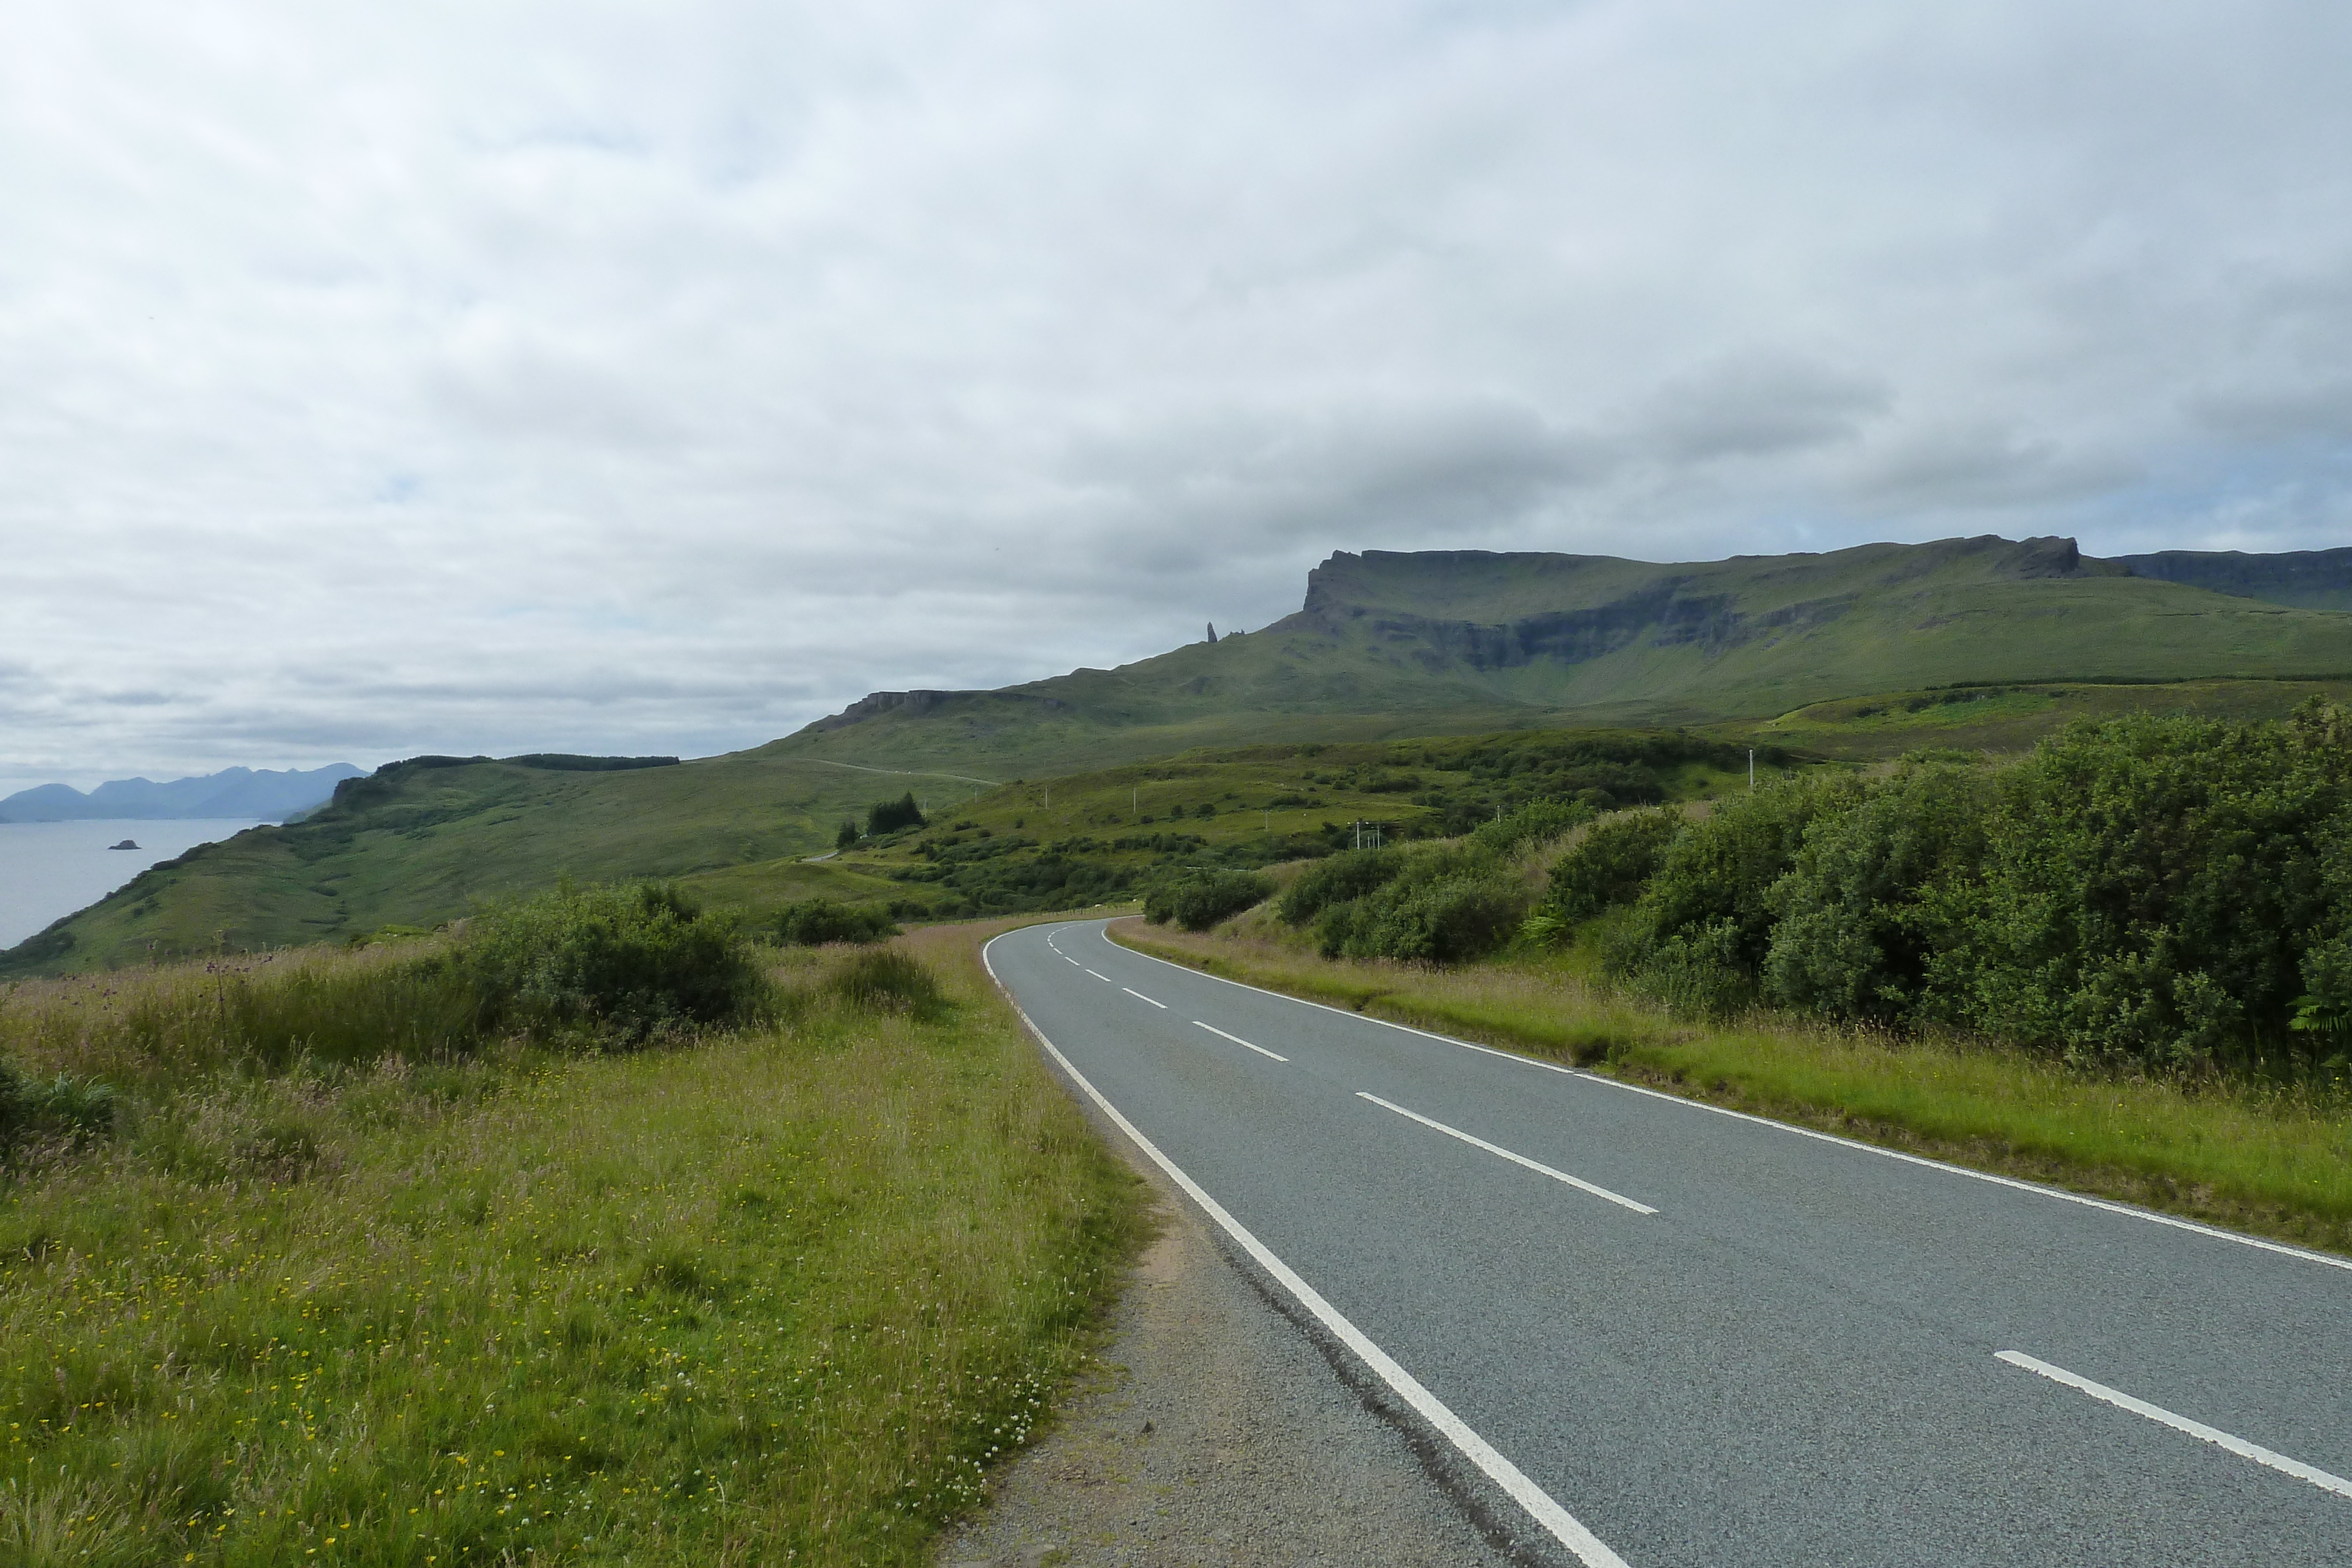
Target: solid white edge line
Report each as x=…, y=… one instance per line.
x=1139, y=997
x=2159, y=1414
x=2281, y=1248
x=1478, y=1143
x=1237, y=1040
x=1563, y=1525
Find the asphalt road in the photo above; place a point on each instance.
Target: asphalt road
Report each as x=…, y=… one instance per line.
x=1633, y=1329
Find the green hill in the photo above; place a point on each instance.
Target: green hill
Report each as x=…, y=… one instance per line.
x=1779, y=650
x=1458, y=642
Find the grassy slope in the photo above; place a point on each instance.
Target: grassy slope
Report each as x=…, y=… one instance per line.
x=1391, y=645
x=2011, y=717
x=2277, y=1167
x=447, y=837
x=774, y=1296
x=1379, y=653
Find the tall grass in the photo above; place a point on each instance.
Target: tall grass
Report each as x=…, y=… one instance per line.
x=762, y=1295
x=2275, y=1160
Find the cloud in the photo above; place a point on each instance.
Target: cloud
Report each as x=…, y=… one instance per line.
x=659, y=377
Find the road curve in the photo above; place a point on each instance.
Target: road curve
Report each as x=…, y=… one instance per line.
x=1636, y=1330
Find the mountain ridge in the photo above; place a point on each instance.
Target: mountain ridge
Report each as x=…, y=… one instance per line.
x=232, y=792
x=1458, y=640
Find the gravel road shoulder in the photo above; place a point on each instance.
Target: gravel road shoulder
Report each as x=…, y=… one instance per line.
x=1213, y=1431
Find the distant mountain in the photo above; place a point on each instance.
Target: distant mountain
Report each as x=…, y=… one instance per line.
x=2307, y=578
x=232, y=792
x=1393, y=642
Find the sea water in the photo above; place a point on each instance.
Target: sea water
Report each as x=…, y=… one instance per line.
x=49, y=870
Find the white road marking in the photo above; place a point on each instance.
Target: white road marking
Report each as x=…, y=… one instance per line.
x=2282, y=1248
x=1563, y=1525
x=2198, y=1429
x=1067, y=959
x=1476, y=1143
x=1237, y=1040
x=1104, y=979
x=1139, y=997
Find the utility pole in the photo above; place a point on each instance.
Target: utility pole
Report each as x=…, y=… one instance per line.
x=1751, y=767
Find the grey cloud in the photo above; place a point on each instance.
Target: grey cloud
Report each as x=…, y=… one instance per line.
x=659, y=377
x=1758, y=404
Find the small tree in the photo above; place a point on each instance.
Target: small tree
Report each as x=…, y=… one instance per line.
x=889, y=816
x=847, y=836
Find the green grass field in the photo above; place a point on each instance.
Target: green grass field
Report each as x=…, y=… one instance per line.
x=2274, y=1162
x=776, y=1295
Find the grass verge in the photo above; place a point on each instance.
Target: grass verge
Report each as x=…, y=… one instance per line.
x=777, y=1295
x=2276, y=1162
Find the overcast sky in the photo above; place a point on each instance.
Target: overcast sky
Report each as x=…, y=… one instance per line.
x=461, y=377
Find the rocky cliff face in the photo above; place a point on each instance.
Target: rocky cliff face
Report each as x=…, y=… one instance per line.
x=2306, y=579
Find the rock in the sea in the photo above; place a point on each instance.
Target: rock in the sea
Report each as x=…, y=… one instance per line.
x=125, y=844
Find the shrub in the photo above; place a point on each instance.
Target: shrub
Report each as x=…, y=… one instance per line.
x=846, y=836
x=1200, y=900
x=618, y=961
x=2155, y=891
x=1337, y=879
x=1855, y=929
x=889, y=816
x=1445, y=906
x=1534, y=824
x=1714, y=882
x=817, y=921
x=1609, y=865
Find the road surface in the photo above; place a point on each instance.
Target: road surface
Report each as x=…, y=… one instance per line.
x=1628, y=1328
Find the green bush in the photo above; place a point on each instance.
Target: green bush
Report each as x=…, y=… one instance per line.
x=621, y=962
x=1444, y=906
x=1336, y=880
x=2160, y=892
x=1609, y=865
x=815, y=921
x=1716, y=875
x=1200, y=900
x=1856, y=923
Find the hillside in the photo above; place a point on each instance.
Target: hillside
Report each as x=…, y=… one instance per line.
x=1388, y=644
x=1856, y=654
x=2307, y=580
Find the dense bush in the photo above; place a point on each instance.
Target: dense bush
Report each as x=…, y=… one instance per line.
x=1611, y=865
x=889, y=816
x=1858, y=912
x=2152, y=892
x=815, y=921
x=1200, y=900
x=1337, y=880
x=616, y=961
x=1445, y=906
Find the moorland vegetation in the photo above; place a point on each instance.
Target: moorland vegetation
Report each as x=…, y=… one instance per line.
x=589, y=1232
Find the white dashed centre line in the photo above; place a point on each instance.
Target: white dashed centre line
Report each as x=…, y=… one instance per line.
x=1139, y=997
x=1104, y=979
x=1620, y=1199
x=1237, y=1040
x=2159, y=1414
